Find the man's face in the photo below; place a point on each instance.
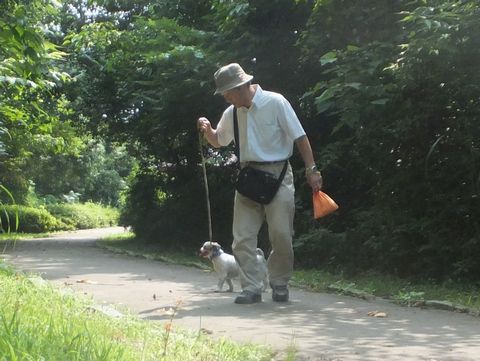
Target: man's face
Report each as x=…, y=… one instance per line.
x=233, y=96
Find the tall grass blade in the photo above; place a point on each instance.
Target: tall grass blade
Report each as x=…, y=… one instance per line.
x=7, y=217
x=429, y=154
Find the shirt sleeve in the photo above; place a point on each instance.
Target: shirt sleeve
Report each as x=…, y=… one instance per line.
x=289, y=121
x=225, y=127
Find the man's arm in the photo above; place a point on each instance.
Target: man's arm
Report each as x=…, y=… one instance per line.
x=314, y=177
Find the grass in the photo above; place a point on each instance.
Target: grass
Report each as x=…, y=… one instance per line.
x=40, y=322
x=126, y=243
x=13, y=237
x=8, y=240
x=406, y=292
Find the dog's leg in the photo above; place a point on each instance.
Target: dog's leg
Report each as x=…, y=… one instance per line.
x=230, y=285
x=221, y=281
x=265, y=282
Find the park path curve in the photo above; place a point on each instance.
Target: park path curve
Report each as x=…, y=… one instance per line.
x=320, y=326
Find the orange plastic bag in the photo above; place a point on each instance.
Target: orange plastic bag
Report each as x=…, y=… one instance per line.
x=323, y=205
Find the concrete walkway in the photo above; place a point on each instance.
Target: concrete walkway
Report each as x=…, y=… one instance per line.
x=320, y=326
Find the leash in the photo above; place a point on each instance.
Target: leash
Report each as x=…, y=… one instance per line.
x=205, y=182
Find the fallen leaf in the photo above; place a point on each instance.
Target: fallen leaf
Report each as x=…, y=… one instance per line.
x=87, y=282
x=167, y=311
x=377, y=314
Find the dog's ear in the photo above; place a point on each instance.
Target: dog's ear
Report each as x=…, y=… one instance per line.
x=215, y=244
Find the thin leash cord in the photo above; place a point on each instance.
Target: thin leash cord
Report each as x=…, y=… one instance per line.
x=205, y=182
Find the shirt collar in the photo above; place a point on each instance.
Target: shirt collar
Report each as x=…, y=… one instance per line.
x=259, y=98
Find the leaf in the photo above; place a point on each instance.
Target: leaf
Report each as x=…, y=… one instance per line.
x=356, y=86
x=31, y=53
x=382, y=101
x=323, y=102
x=323, y=107
x=377, y=314
x=328, y=58
x=352, y=48
x=326, y=95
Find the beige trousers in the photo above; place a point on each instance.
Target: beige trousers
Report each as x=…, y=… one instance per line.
x=248, y=217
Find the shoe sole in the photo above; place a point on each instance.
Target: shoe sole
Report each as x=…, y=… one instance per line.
x=280, y=298
x=242, y=301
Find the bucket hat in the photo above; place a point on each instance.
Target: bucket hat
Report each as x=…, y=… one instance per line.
x=230, y=76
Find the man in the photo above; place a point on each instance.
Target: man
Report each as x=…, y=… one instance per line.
x=267, y=129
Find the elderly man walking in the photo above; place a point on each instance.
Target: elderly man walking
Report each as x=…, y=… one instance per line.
x=264, y=127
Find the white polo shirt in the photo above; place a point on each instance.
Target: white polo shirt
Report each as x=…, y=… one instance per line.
x=267, y=130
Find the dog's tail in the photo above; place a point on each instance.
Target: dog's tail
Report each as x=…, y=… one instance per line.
x=260, y=252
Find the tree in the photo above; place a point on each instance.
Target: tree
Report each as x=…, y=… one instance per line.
x=401, y=112
x=27, y=78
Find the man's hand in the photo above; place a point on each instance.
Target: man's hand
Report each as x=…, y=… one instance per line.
x=315, y=181
x=205, y=127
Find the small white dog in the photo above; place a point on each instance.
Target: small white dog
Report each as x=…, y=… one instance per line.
x=225, y=265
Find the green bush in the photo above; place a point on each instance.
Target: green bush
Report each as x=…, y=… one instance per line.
x=398, y=112
x=182, y=215
x=30, y=220
x=84, y=215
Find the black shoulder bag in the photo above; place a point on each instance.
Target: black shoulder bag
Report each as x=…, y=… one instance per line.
x=256, y=184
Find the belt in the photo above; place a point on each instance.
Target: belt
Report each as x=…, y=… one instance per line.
x=266, y=163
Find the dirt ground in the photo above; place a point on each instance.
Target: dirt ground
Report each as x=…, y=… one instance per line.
x=320, y=326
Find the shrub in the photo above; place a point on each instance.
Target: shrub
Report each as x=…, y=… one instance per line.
x=85, y=215
x=30, y=220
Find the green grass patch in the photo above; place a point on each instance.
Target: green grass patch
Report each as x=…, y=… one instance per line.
x=127, y=243
x=39, y=322
x=13, y=237
x=8, y=240
x=405, y=292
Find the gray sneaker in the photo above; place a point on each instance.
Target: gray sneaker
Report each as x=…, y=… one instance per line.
x=280, y=293
x=248, y=297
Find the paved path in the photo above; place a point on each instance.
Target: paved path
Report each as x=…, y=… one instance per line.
x=321, y=326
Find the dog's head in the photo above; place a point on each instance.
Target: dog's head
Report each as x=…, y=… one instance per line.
x=210, y=249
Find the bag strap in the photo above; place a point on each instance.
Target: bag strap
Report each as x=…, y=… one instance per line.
x=235, y=134
x=237, y=146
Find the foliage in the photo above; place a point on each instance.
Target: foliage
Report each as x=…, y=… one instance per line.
x=96, y=172
x=38, y=137
x=159, y=76
x=387, y=92
x=7, y=225
x=84, y=215
x=27, y=78
x=55, y=217
x=31, y=220
x=39, y=322
x=402, y=112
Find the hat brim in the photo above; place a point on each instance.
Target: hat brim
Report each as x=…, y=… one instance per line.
x=219, y=91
